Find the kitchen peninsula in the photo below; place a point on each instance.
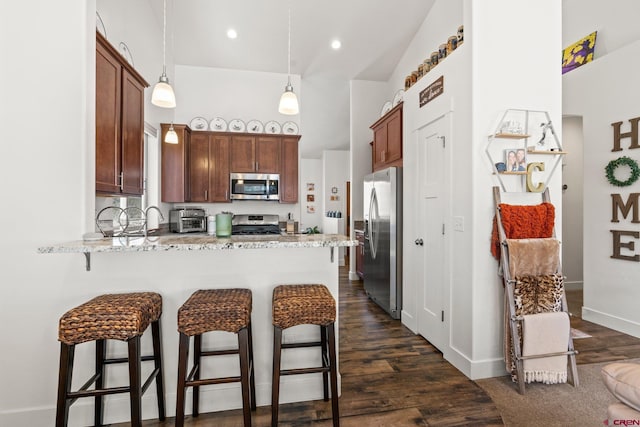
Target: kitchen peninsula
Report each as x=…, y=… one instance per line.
x=177, y=265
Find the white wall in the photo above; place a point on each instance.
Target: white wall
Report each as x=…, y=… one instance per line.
x=610, y=285
x=367, y=99
x=311, y=173
x=572, y=205
x=508, y=72
x=234, y=94
x=615, y=21
x=335, y=171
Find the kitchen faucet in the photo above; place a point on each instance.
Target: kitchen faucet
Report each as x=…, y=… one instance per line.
x=146, y=218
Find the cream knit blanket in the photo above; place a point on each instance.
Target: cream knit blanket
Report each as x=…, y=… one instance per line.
x=545, y=333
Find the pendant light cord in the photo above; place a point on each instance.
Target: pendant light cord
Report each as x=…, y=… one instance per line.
x=289, y=48
x=164, y=38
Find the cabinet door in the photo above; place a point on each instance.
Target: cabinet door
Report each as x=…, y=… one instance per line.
x=175, y=165
x=394, y=137
x=108, y=96
x=243, y=154
x=199, y=167
x=289, y=170
x=219, y=168
x=379, y=146
x=267, y=154
x=132, y=135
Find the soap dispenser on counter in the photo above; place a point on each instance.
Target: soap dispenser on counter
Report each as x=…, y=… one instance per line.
x=290, y=224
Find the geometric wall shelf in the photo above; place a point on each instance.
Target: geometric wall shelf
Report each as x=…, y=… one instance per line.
x=524, y=150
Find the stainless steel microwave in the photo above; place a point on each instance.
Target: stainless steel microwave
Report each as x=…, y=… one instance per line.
x=255, y=186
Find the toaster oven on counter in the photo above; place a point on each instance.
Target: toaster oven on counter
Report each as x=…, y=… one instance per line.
x=187, y=220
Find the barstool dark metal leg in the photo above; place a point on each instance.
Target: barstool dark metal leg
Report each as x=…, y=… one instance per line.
x=135, y=382
x=325, y=361
x=64, y=383
x=197, y=358
x=334, y=374
x=275, y=386
x=252, y=378
x=157, y=360
x=243, y=350
x=183, y=358
x=101, y=354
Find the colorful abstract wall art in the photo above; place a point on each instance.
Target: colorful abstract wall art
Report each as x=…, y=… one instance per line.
x=579, y=53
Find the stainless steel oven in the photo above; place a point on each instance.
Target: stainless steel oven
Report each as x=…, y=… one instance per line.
x=253, y=186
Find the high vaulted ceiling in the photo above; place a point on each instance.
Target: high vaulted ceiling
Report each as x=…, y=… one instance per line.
x=374, y=34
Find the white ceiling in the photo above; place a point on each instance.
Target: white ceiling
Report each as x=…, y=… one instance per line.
x=374, y=36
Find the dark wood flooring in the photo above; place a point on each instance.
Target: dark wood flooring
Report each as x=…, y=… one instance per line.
x=391, y=377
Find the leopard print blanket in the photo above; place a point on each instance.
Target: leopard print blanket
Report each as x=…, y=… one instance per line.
x=532, y=294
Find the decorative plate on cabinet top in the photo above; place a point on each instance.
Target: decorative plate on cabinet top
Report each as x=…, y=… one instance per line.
x=386, y=108
x=397, y=98
x=272, y=127
x=290, y=128
x=199, y=123
x=124, y=51
x=255, y=126
x=100, y=25
x=218, y=124
x=236, y=125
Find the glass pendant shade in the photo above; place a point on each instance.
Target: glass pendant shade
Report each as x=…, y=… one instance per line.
x=288, y=101
x=171, y=136
x=163, y=95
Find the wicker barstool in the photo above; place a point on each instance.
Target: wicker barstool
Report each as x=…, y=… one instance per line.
x=305, y=305
x=211, y=310
x=122, y=317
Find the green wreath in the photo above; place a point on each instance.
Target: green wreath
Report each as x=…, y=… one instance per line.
x=613, y=165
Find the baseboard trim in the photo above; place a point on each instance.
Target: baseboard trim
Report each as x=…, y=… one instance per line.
x=612, y=322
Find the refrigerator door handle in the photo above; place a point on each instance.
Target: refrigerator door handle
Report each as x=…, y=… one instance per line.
x=373, y=226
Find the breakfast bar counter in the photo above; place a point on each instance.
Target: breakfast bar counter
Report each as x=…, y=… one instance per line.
x=176, y=265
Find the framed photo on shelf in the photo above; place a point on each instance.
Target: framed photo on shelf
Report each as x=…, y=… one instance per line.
x=515, y=160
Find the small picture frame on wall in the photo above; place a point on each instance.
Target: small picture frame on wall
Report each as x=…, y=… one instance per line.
x=310, y=198
x=334, y=190
x=311, y=186
x=311, y=209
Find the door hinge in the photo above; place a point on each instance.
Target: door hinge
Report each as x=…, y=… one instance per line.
x=443, y=229
x=443, y=140
x=442, y=316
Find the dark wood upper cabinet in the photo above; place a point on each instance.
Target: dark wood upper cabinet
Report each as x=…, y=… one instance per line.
x=209, y=168
x=289, y=170
x=175, y=165
x=255, y=154
x=206, y=159
x=267, y=154
x=119, y=123
x=387, y=139
x=243, y=158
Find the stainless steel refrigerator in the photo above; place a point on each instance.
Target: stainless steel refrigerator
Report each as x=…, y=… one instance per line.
x=383, y=239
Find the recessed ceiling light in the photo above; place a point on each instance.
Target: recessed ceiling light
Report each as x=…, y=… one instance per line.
x=232, y=34
x=336, y=44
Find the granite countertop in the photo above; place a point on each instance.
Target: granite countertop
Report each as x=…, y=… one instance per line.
x=198, y=242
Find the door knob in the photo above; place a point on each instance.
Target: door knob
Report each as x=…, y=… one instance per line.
x=419, y=242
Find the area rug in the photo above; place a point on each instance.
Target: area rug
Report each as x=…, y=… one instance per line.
x=555, y=404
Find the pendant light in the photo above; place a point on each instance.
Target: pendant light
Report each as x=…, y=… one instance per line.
x=163, y=95
x=171, y=137
x=289, y=100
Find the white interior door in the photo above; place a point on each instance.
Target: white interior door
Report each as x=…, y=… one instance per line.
x=430, y=232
